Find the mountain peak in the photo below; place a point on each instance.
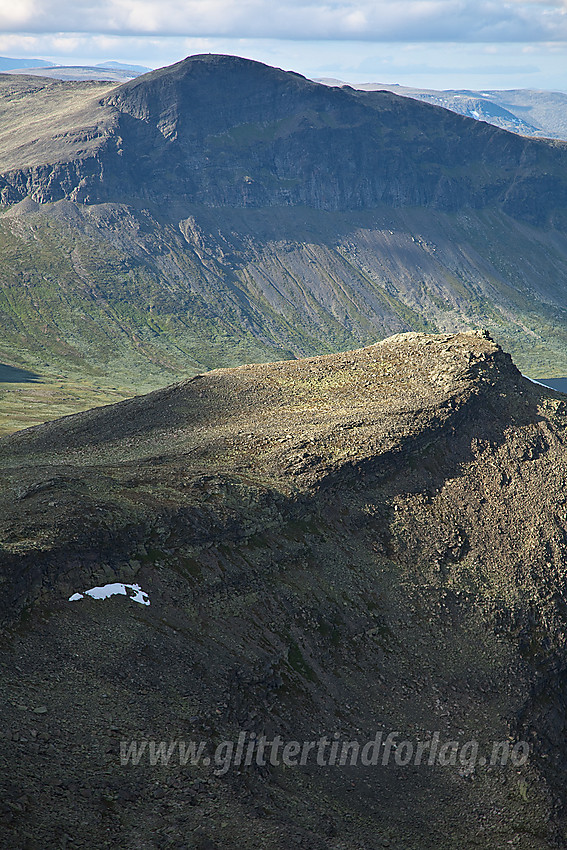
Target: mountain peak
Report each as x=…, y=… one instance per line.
x=213, y=65
x=220, y=130
x=206, y=79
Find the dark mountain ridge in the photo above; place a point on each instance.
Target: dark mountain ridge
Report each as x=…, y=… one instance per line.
x=225, y=131
x=526, y=112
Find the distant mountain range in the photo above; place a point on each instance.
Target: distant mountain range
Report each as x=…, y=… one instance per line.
x=220, y=211
x=7, y=63
x=524, y=111
x=116, y=71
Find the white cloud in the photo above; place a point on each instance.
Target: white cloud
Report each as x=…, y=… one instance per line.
x=372, y=20
x=16, y=15
x=448, y=65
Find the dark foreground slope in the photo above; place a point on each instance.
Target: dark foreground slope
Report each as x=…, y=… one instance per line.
x=372, y=540
x=221, y=211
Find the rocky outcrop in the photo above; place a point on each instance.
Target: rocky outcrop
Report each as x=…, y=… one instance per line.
x=366, y=541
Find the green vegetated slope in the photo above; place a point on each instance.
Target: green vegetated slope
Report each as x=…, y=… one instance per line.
x=113, y=293
x=148, y=236
x=358, y=542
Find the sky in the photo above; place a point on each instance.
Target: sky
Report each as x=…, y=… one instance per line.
x=442, y=44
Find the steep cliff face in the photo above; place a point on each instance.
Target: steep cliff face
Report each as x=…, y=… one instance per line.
x=219, y=130
x=365, y=541
x=52, y=136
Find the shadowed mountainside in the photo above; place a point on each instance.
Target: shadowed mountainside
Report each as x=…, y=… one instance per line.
x=225, y=131
x=369, y=540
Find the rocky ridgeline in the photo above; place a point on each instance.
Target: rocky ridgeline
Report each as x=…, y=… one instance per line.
x=372, y=539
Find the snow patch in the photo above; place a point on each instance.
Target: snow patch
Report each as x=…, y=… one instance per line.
x=117, y=588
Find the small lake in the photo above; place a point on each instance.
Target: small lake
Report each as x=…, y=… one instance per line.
x=559, y=384
x=12, y=375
